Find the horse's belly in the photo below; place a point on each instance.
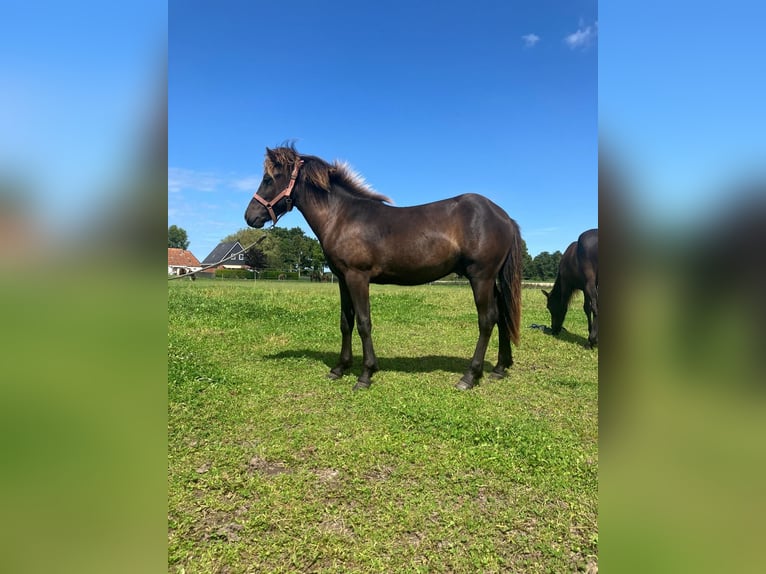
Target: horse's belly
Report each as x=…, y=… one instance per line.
x=415, y=274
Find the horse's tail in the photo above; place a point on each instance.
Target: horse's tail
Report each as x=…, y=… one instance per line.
x=510, y=289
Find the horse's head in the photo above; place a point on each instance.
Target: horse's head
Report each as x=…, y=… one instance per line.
x=556, y=309
x=284, y=169
x=273, y=197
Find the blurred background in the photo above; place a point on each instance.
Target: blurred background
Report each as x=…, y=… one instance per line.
x=83, y=172
x=682, y=212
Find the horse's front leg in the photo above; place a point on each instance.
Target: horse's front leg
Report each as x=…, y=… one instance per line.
x=346, y=329
x=359, y=289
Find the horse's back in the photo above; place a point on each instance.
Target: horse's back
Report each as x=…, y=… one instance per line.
x=468, y=221
x=588, y=243
x=569, y=267
x=417, y=244
x=587, y=254
x=473, y=206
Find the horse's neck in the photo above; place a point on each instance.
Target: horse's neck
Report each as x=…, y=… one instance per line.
x=325, y=210
x=562, y=289
x=317, y=208
x=559, y=289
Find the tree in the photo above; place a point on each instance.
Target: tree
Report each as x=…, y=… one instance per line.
x=541, y=265
x=177, y=237
x=555, y=261
x=526, y=262
x=285, y=249
x=255, y=259
x=248, y=235
x=545, y=266
x=316, y=256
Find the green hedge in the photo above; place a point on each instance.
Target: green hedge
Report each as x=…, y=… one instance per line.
x=233, y=274
x=276, y=274
x=273, y=274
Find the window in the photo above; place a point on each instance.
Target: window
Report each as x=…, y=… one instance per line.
x=241, y=257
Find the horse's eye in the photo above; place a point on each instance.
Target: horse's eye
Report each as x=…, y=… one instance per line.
x=267, y=180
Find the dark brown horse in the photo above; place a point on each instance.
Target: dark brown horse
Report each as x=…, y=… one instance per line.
x=366, y=241
x=578, y=270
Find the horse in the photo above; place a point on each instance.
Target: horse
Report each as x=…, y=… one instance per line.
x=578, y=269
x=366, y=240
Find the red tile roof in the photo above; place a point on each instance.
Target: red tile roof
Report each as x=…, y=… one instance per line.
x=182, y=258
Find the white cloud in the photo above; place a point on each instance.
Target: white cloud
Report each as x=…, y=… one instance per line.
x=180, y=178
x=248, y=183
x=530, y=40
x=583, y=37
x=542, y=231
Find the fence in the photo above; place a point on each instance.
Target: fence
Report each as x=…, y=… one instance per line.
x=278, y=275
x=264, y=275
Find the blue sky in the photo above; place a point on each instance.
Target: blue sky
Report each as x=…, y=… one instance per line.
x=426, y=100
x=682, y=87
x=79, y=82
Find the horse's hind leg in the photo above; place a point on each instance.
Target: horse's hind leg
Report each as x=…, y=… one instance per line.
x=346, y=329
x=483, y=295
x=588, y=311
x=504, y=356
x=591, y=302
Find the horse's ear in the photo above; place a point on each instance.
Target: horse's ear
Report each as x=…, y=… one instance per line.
x=547, y=295
x=273, y=160
x=272, y=155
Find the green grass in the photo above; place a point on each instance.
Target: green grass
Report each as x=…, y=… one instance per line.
x=274, y=468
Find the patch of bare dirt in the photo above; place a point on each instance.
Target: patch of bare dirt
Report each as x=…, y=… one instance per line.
x=380, y=473
x=216, y=525
x=265, y=467
x=336, y=525
x=328, y=476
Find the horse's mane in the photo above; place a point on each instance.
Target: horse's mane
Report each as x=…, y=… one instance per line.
x=321, y=174
x=561, y=293
x=562, y=287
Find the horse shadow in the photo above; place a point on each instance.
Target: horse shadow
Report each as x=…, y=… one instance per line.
x=564, y=335
x=421, y=364
x=570, y=337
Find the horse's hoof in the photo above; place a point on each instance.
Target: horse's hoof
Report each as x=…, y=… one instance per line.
x=497, y=374
x=464, y=385
x=362, y=385
x=337, y=372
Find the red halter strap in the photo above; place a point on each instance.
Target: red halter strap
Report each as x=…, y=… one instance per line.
x=284, y=193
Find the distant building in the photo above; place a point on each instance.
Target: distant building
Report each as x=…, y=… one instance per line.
x=181, y=261
x=228, y=255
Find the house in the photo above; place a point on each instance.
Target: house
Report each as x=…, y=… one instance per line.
x=181, y=261
x=229, y=254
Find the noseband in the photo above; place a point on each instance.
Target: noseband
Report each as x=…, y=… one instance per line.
x=269, y=205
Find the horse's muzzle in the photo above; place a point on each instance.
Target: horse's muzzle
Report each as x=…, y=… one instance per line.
x=255, y=218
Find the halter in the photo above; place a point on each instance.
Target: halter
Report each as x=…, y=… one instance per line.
x=284, y=193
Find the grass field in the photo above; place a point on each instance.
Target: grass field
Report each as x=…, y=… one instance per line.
x=274, y=468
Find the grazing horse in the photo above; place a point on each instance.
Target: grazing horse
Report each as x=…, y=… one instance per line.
x=367, y=241
x=578, y=270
